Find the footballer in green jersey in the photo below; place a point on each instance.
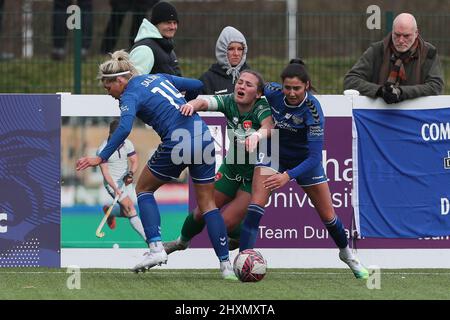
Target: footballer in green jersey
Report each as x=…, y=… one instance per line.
x=249, y=120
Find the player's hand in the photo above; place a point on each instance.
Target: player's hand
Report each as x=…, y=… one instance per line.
x=117, y=192
x=86, y=162
x=187, y=109
x=276, y=181
x=251, y=142
x=128, y=178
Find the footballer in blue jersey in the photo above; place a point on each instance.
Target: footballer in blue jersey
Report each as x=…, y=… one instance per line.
x=301, y=135
x=185, y=142
x=299, y=119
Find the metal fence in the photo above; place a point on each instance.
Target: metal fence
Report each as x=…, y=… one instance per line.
x=329, y=42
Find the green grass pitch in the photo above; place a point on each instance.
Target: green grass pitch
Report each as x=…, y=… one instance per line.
x=279, y=284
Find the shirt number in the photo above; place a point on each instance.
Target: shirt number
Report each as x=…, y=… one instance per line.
x=169, y=93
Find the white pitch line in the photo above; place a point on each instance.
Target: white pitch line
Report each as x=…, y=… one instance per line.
x=167, y=272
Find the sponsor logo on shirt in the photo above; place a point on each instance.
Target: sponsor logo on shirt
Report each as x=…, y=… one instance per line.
x=124, y=108
x=297, y=120
x=315, y=131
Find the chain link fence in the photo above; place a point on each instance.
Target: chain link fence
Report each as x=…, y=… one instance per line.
x=329, y=43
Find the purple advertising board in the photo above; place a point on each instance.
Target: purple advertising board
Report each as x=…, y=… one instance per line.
x=30, y=197
x=290, y=221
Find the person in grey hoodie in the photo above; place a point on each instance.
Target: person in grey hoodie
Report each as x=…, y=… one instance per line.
x=231, y=55
x=152, y=51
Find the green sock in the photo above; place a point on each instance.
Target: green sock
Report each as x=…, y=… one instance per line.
x=235, y=233
x=191, y=227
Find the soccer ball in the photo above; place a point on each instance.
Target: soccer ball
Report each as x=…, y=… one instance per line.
x=250, y=266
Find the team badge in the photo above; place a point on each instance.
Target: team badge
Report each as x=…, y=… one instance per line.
x=247, y=125
x=218, y=176
x=297, y=120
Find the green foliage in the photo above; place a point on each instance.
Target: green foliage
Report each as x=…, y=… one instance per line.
x=42, y=75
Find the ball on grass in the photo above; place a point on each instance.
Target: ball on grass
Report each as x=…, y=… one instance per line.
x=115, y=246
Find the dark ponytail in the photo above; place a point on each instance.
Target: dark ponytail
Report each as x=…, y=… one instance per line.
x=297, y=68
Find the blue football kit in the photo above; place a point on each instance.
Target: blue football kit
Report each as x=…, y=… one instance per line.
x=301, y=135
x=156, y=99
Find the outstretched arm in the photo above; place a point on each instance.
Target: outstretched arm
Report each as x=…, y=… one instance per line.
x=280, y=179
x=117, y=138
x=192, y=106
x=193, y=87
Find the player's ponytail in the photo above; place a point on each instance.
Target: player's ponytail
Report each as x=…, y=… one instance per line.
x=118, y=65
x=297, y=68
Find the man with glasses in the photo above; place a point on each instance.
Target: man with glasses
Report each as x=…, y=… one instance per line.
x=401, y=66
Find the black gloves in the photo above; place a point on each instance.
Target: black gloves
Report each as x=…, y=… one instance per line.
x=390, y=93
x=128, y=178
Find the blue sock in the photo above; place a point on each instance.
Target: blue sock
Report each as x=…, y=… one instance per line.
x=250, y=226
x=337, y=232
x=217, y=233
x=150, y=217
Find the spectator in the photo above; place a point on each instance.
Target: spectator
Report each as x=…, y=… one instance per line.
x=119, y=9
x=231, y=54
x=152, y=51
x=402, y=66
x=60, y=28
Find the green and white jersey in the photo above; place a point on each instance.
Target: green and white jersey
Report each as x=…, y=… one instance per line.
x=239, y=126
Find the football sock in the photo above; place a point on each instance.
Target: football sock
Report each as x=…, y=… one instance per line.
x=191, y=227
x=136, y=223
x=217, y=233
x=156, y=246
x=346, y=252
x=150, y=217
x=250, y=227
x=337, y=232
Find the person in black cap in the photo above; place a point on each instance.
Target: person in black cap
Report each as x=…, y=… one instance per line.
x=152, y=51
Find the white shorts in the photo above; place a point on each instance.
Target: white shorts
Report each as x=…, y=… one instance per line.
x=127, y=191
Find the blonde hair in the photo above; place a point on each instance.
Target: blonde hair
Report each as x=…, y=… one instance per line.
x=118, y=65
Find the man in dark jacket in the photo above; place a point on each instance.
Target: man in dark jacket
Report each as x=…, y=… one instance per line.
x=231, y=55
x=402, y=66
x=152, y=51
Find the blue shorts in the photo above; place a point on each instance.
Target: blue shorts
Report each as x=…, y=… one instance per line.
x=170, y=159
x=314, y=176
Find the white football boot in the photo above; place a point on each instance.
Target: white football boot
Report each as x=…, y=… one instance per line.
x=355, y=265
x=151, y=259
x=227, y=270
